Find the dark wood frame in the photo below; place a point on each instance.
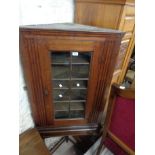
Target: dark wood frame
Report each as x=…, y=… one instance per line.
x=116, y=90
x=35, y=42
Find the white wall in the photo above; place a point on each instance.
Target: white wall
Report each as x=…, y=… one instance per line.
x=46, y=11
x=39, y=12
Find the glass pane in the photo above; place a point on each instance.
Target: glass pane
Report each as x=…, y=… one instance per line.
x=60, y=57
x=74, y=106
x=61, y=71
x=78, y=94
x=76, y=114
x=62, y=106
x=77, y=109
x=61, y=95
x=61, y=114
x=80, y=58
x=80, y=71
x=61, y=110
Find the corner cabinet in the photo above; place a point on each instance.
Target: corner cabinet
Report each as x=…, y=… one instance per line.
x=68, y=70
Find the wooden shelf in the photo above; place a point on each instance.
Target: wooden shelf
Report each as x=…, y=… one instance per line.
x=72, y=88
x=80, y=79
x=60, y=79
x=77, y=100
x=70, y=79
x=65, y=106
x=55, y=63
x=69, y=101
x=60, y=88
x=80, y=63
x=73, y=63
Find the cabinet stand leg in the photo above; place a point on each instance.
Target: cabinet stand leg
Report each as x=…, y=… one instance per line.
x=58, y=144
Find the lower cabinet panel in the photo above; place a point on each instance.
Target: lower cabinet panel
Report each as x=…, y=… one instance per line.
x=46, y=132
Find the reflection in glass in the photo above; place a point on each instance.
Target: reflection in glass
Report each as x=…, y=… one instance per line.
x=81, y=84
x=61, y=95
x=61, y=84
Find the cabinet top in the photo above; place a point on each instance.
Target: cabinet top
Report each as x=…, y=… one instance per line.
x=69, y=27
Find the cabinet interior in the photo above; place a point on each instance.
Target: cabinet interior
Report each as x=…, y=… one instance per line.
x=70, y=74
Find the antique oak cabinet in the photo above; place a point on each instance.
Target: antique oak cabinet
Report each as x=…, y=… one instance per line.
x=68, y=70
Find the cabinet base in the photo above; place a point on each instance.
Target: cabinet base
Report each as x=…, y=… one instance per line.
x=46, y=132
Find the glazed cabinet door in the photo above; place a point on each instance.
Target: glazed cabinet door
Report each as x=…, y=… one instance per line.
x=68, y=79
x=70, y=75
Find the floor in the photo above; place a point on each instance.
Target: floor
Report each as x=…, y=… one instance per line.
x=68, y=149
x=65, y=149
